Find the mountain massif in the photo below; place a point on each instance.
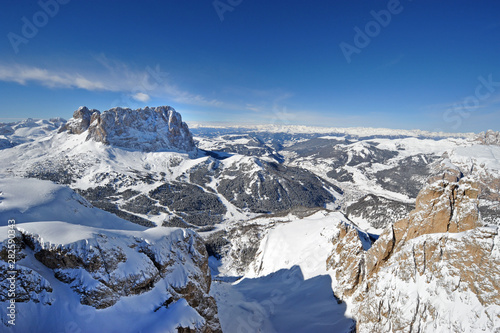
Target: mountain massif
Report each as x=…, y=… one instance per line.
x=128, y=217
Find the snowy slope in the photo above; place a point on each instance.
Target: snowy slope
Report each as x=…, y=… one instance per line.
x=287, y=287
x=95, y=271
x=487, y=157
x=166, y=187
x=305, y=243
x=275, y=273
x=30, y=200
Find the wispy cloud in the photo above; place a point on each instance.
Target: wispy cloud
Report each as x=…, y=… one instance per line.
x=140, y=85
x=24, y=74
x=135, y=87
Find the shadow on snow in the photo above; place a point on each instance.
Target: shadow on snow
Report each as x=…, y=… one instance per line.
x=284, y=302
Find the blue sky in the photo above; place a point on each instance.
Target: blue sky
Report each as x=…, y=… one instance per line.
x=432, y=65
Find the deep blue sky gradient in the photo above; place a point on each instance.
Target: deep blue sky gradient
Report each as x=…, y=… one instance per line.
x=267, y=62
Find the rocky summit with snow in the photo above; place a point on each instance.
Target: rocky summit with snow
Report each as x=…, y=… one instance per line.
x=489, y=138
x=147, y=129
x=126, y=220
x=435, y=270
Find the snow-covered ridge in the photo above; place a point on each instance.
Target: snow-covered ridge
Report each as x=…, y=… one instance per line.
x=16, y=133
x=72, y=257
x=436, y=271
x=33, y=200
x=148, y=129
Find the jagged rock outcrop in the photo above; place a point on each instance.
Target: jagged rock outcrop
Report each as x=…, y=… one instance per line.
x=448, y=204
x=29, y=286
x=347, y=260
x=489, y=137
x=26, y=283
x=436, y=283
x=147, y=129
x=80, y=121
x=104, y=266
x=437, y=270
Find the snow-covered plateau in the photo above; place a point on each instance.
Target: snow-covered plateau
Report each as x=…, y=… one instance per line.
x=128, y=221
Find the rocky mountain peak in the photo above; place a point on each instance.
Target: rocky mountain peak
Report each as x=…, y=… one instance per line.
x=147, y=129
x=442, y=248
x=448, y=204
x=489, y=137
x=80, y=121
x=445, y=206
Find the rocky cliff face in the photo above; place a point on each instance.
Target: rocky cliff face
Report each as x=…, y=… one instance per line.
x=147, y=129
x=438, y=282
x=489, y=138
x=104, y=266
x=436, y=270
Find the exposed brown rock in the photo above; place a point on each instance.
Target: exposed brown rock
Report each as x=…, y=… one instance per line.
x=347, y=260
x=445, y=207
x=401, y=297
x=422, y=266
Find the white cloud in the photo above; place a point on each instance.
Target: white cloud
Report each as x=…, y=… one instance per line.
x=141, y=97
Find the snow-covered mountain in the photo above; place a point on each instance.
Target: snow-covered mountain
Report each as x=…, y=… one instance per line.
x=354, y=132
x=427, y=281
x=181, y=187
x=91, y=269
x=379, y=175
x=436, y=270
x=489, y=138
x=307, y=229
